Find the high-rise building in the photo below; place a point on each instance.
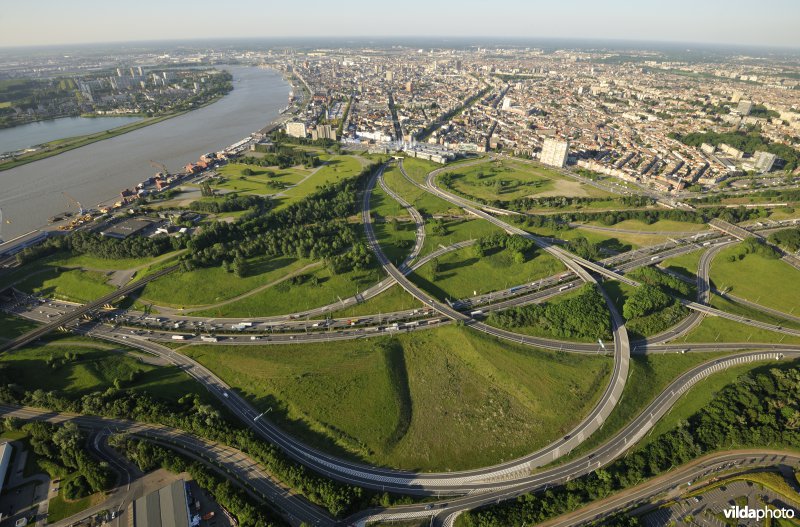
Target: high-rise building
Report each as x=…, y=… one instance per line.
x=507, y=103
x=764, y=161
x=296, y=129
x=744, y=107
x=554, y=152
x=324, y=131
x=390, y=76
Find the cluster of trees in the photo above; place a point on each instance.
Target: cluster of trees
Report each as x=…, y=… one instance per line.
x=62, y=451
x=232, y=202
x=315, y=227
x=283, y=157
x=748, y=142
x=584, y=248
x=753, y=245
x=789, y=239
x=761, y=408
x=521, y=249
x=83, y=242
x=148, y=456
x=583, y=316
x=652, y=307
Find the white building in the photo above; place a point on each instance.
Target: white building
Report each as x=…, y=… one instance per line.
x=554, y=152
x=296, y=129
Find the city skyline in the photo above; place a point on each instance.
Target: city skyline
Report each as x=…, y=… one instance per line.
x=54, y=23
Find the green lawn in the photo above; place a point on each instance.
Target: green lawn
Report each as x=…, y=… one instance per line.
x=73, y=285
x=208, y=285
x=648, y=376
x=443, y=399
x=620, y=242
x=461, y=273
x=91, y=262
x=12, y=326
x=508, y=180
x=772, y=283
x=264, y=180
x=291, y=298
x=95, y=368
x=659, y=226
x=685, y=264
x=456, y=231
x=396, y=238
x=394, y=299
x=337, y=167
x=425, y=202
x=716, y=329
x=418, y=169
x=60, y=508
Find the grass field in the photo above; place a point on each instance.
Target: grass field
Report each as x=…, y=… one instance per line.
x=685, y=264
x=418, y=169
x=74, y=285
x=425, y=202
x=508, y=180
x=395, y=238
x=437, y=400
x=659, y=226
x=649, y=375
x=456, y=231
x=60, y=508
x=337, y=167
x=291, y=298
x=96, y=367
x=260, y=182
x=461, y=273
x=12, y=326
x=715, y=329
x=208, y=285
x=619, y=242
x=394, y=299
x=777, y=284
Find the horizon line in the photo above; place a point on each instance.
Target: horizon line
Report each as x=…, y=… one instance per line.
x=400, y=38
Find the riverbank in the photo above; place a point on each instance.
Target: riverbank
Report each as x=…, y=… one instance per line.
x=96, y=173
x=59, y=146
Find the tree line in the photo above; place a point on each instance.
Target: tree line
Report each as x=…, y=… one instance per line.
x=232, y=203
x=93, y=244
x=760, y=408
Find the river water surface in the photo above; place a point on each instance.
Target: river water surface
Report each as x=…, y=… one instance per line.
x=32, y=193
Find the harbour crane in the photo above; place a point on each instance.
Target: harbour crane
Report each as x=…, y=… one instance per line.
x=81, y=210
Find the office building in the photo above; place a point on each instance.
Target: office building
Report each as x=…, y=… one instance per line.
x=296, y=129
x=763, y=161
x=554, y=152
x=744, y=107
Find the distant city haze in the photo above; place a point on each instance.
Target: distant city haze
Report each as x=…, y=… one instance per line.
x=740, y=22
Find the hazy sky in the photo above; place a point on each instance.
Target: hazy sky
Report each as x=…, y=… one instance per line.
x=45, y=22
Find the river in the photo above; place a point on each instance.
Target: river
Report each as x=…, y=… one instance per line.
x=32, y=193
x=27, y=135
